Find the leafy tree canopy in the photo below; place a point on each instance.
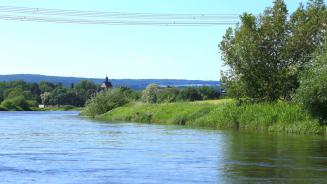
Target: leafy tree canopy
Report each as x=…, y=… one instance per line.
x=266, y=54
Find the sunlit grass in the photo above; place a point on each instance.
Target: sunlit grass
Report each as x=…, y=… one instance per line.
x=221, y=114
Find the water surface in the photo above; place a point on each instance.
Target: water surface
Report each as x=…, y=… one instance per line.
x=60, y=147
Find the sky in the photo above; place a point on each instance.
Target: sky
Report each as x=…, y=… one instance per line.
x=121, y=52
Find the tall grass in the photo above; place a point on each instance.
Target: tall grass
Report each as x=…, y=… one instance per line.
x=277, y=117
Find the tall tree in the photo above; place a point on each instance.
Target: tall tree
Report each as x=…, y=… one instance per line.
x=308, y=26
x=267, y=53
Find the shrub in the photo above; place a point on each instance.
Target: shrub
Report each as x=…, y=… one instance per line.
x=167, y=95
x=105, y=101
x=131, y=94
x=312, y=92
x=17, y=103
x=3, y=108
x=149, y=95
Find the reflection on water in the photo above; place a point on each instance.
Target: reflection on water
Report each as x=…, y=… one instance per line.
x=267, y=158
x=60, y=147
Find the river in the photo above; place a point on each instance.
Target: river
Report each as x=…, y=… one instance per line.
x=61, y=147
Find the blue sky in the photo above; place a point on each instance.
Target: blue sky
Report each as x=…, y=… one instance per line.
x=138, y=52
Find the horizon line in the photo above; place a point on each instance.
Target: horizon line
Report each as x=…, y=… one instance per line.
x=65, y=76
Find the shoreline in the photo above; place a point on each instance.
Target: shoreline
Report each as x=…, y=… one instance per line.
x=48, y=109
x=279, y=117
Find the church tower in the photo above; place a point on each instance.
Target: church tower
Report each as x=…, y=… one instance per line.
x=106, y=84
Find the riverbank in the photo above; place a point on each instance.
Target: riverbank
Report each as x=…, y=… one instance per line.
x=222, y=114
x=61, y=108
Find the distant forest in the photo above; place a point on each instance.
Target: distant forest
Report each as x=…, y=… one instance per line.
x=136, y=84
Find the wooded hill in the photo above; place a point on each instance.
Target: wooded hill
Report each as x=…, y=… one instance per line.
x=131, y=83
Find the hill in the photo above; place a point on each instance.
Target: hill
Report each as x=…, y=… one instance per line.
x=132, y=83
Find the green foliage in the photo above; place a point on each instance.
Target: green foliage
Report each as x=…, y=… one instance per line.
x=312, y=92
x=266, y=54
x=46, y=87
x=167, y=95
x=62, y=96
x=18, y=103
x=131, y=94
x=271, y=117
x=13, y=92
x=18, y=95
x=149, y=95
x=235, y=87
x=308, y=27
x=189, y=94
x=106, y=101
x=45, y=93
x=208, y=93
x=76, y=95
x=155, y=94
x=3, y=108
x=85, y=89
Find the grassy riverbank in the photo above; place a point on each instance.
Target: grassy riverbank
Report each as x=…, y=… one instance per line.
x=221, y=114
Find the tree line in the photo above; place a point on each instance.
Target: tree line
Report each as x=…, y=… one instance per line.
x=20, y=95
x=153, y=94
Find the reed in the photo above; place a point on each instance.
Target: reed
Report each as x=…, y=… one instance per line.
x=271, y=117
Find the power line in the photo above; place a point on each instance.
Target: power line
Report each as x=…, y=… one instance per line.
x=109, y=22
x=44, y=11
x=114, y=18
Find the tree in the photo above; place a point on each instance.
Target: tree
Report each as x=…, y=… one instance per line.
x=16, y=103
x=105, y=101
x=208, y=93
x=189, y=94
x=266, y=54
x=149, y=95
x=308, y=26
x=36, y=92
x=312, y=92
x=167, y=95
x=45, y=98
x=46, y=86
x=86, y=89
x=130, y=94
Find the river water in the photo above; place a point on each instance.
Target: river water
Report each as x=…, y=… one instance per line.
x=60, y=147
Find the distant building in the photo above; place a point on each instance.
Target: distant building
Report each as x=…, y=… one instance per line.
x=106, y=84
x=41, y=106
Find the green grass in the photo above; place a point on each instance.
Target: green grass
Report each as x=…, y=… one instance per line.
x=277, y=117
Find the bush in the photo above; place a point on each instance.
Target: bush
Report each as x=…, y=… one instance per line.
x=312, y=92
x=167, y=95
x=149, y=95
x=154, y=94
x=131, y=94
x=3, y=108
x=17, y=103
x=105, y=101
